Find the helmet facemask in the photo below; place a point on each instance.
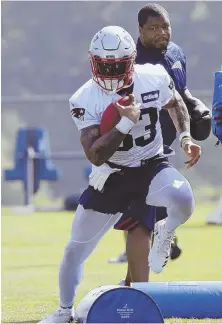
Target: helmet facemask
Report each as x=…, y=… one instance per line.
x=112, y=74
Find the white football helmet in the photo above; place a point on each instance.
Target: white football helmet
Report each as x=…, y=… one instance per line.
x=112, y=55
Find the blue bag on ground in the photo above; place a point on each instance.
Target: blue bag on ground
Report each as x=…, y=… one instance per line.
x=185, y=299
x=116, y=304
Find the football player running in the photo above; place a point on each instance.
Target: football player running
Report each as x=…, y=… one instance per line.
x=128, y=161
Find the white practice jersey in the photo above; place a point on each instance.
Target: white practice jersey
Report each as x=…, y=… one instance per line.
x=153, y=88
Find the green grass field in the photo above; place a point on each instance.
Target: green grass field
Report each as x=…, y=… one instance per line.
x=32, y=246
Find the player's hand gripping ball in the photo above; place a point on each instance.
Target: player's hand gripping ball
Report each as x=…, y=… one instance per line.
x=111, y=116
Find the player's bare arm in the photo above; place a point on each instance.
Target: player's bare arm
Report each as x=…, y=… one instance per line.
x=179, y=114
x=99, y=149
x=197, y=109
x=132, y=111
x=200, y=126
x=193, y=102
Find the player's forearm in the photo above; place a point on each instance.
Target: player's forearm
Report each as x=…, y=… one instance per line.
x=179, y=114
x=99, y=148
x=104, y=147
x=192, y=102
x=188, y=97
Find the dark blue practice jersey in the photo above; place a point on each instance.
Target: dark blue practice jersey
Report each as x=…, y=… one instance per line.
x=174, y=61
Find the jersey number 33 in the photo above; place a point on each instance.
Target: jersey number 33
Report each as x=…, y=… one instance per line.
x=149, y=115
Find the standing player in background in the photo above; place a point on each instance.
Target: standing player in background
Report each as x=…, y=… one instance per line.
x=216, y=216
x=154, y=46
x=128, y=161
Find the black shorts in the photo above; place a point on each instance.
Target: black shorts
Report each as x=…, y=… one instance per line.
x=125, y=191
x=148, y=215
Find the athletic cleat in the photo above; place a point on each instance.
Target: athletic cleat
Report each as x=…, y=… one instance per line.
x=120, y=259
x=160, y=251
x=62, y=315
x=175, y=250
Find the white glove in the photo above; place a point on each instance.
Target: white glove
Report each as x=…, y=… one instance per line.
x=99, y=175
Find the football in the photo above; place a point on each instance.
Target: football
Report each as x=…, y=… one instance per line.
x=111, y=116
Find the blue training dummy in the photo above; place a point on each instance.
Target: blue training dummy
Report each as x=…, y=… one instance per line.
x=217, y=107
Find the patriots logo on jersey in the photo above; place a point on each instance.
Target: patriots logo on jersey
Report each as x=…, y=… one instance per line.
x=78, y=113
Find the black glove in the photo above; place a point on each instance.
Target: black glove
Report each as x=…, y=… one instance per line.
x=200, y=122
